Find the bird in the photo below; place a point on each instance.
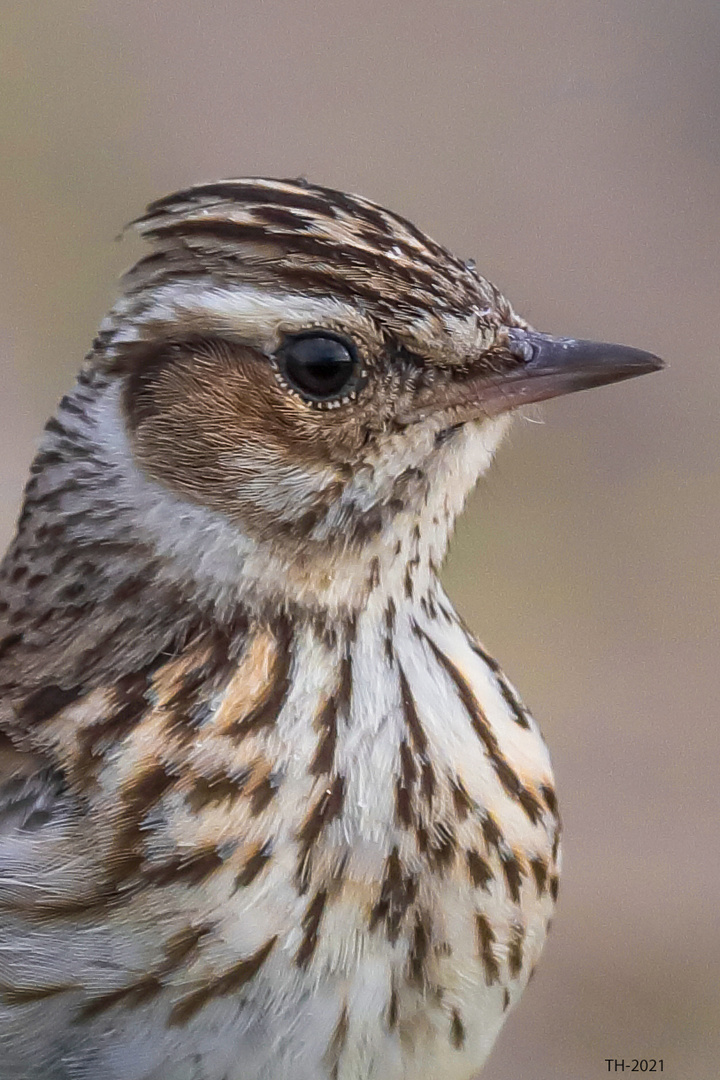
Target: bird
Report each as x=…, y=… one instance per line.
x=268, y=808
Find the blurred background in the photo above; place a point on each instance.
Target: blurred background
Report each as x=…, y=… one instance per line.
x=573, y=149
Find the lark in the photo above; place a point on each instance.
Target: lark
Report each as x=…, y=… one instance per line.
x=268, y=810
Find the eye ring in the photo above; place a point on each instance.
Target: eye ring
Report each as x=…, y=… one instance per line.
x=323, y=368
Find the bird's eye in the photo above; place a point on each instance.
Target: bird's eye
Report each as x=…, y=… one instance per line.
x=319, y=366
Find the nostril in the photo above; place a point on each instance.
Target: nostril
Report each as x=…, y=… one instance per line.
x=520, y=346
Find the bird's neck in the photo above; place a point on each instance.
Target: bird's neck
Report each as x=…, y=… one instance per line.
x=387, y=735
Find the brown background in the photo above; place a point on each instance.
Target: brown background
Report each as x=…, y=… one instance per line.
x=572, y=148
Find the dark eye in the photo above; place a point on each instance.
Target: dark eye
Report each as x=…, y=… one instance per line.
x=318, y=366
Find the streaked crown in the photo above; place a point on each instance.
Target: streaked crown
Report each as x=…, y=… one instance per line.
x=290, y=238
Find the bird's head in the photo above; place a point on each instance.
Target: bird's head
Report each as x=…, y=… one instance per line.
x=310, y=375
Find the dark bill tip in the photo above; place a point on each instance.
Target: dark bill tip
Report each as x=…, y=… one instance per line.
x=554, y=366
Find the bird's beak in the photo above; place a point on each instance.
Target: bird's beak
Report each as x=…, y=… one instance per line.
x=550, y=367
x=533, y=367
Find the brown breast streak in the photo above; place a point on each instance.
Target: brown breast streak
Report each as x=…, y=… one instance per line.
x=148, y=717
x=504, y=771
x=221, y=986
